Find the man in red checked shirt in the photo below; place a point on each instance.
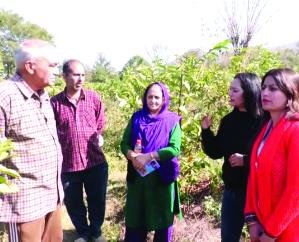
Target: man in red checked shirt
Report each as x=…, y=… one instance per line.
x=80, y=117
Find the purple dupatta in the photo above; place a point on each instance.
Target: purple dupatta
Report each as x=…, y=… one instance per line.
x=154, y=133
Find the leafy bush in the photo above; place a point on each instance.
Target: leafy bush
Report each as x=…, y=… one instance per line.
x=6, y=186
x=198, y=86
x=212, y=208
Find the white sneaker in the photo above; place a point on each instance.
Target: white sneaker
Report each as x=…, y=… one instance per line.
x=99, y=239
x=81, y=239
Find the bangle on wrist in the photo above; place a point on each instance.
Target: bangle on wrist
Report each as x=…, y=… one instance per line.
x=250, y=218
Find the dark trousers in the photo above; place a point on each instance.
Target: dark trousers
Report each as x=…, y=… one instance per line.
x=94, y=181
x=232, y=215
x=140, y=235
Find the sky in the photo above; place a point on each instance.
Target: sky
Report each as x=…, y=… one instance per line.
x=120, y=29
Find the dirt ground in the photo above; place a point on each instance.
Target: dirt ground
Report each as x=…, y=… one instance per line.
x=190, y=229
x=193, y=228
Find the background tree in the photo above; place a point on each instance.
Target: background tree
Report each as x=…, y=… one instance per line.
x=242, y=21
x=133, y=64
x=290, y=56
x=1, y=67
x=102, y=70
x=14, y=29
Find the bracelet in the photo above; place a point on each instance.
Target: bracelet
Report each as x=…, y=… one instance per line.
x=250, y=218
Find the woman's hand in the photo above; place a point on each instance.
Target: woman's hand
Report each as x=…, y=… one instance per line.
x=255, y=230
x=266, y=238
x=143, y=159
x=131, y=155
x=206, y=122
x=140, y=160
x=236, y=159
x=137, y=165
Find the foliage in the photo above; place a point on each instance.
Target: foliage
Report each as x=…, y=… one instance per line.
x=256, y=59
x=14, y=29
x=1, y=68
x=6, y=186
x=102, y=71
x=198, y=85
x=290, y=58
x=195, y=85
x=212, y=208
x=133, y=63
x=57, y=87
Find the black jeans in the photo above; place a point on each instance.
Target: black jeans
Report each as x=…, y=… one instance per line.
x=232, y=215
x=94, y=181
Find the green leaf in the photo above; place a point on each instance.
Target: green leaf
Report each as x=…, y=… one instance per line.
x=222, y=45
x=3, y=179
x=4, y=155
x=183, y=109
x=186, y=85
x=9, y=172
x=8, y=188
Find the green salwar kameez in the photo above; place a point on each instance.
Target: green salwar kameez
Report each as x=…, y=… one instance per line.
x=152, y=204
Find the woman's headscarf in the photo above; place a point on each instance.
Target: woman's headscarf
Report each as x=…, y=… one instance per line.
x=155, y=131
x=165, y=94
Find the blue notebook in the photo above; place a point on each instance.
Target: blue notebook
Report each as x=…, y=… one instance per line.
x=150, y=167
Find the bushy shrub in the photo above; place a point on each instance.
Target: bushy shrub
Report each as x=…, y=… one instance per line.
x=198, y=86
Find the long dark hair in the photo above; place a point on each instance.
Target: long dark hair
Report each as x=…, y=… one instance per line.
x=251, y=85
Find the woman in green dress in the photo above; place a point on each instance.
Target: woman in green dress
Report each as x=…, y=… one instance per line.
x=152, y=199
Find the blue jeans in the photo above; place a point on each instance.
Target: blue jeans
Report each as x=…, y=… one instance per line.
x=94, y=181
x=232, y=215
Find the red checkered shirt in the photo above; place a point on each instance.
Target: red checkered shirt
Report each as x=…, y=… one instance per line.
x=26, y=117
x=79, y=127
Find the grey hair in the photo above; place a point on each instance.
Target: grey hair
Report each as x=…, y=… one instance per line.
x=31, y=49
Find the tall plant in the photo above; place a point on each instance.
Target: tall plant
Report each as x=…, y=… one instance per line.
x=198, y=85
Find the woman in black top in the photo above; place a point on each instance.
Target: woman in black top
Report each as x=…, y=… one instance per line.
x=233, y=140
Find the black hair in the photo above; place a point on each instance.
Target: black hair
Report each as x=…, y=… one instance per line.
x=251, y=85
x=66, y=67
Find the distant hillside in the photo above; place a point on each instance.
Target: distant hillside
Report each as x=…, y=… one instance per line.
x=292, y=46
